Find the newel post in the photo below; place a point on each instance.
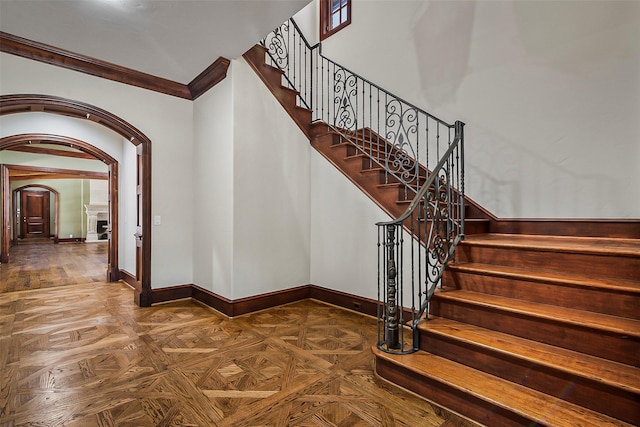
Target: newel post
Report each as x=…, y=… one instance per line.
x=391, y=330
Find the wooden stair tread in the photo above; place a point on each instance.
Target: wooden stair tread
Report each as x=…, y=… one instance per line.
x=603, y=322
x=575, y=280
x=597, y=369
x=592, y=245
x=531, y=404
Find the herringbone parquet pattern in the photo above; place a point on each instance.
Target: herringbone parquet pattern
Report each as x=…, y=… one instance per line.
x=85, y=355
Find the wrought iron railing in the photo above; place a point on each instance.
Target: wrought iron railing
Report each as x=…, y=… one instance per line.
x=395, y=134
x=289, y=50
x=414, y=249
x=404, y=141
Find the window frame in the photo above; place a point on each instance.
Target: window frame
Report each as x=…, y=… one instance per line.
x=325, y=18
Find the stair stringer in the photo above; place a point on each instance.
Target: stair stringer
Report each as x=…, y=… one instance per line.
x=385, y=191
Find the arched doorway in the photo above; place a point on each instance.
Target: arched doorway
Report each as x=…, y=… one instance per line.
x=13, y=141
x=10, y=104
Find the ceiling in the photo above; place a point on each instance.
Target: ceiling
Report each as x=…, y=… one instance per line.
x=172, y=39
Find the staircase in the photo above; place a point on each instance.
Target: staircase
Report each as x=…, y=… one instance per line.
x=532, y=330
x=527, y=329
x=385, y=190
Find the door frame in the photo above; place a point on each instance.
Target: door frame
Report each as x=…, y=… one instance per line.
x=14, y=213
x=113, y=272
x=25, y=103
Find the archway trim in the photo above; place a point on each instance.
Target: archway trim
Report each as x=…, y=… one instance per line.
x=24, y=103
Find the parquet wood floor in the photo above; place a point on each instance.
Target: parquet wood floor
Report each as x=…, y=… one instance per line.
x=38, y=263
x=85, y=355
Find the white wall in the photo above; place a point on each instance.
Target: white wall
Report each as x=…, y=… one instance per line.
x=84, y=130
x=271, y=191
x=343, y=232
x=251, y=177
x=213, y=188
x=550, y=93
x=98, y=191
x=166, y=120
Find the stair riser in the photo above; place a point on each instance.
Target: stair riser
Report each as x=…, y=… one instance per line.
x=273, y=76
x=606, y=301
x=256, y=54
x=302, y=116
x=564, y=262
x=372, y=149
x=458, y=401
x=475, y=227
x=556, y=332
x=582, y=391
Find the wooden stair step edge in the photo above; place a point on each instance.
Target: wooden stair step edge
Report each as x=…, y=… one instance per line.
x=613, y=296
x=593, y=368
x=528, y=405
x=588, y=245
x=603, y=322
x=568, y=279
x=601, y=335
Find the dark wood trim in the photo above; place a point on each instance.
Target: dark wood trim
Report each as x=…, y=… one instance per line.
x=72, y=240
x=145, y=296
x=272, y=77
x=215, y=301
x=24, y=103
x=87, y=151
x=6, y=214
x=52, y=55
x=172, y=293
x=255, y=303
x=344, y=300
x=612, y=228
x=113, y=272
x=129, y=279
x=268, y=300
x=325, y=19
x=210, y=77
x=52, y=152
x=44, y=172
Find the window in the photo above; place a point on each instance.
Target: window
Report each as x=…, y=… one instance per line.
x=334, y=16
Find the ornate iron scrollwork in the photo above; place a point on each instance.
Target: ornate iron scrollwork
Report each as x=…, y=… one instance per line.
x=437, y=199
x=277, y=45
x=402, y=124
x=345, y=89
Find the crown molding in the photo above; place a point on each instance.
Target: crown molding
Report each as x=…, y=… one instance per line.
x=52, y=55
x=210, y=77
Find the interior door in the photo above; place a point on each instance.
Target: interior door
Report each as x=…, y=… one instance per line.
x=35, y=214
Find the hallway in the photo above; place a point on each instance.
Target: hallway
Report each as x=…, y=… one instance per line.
x=82, y=354
x=38, y=263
